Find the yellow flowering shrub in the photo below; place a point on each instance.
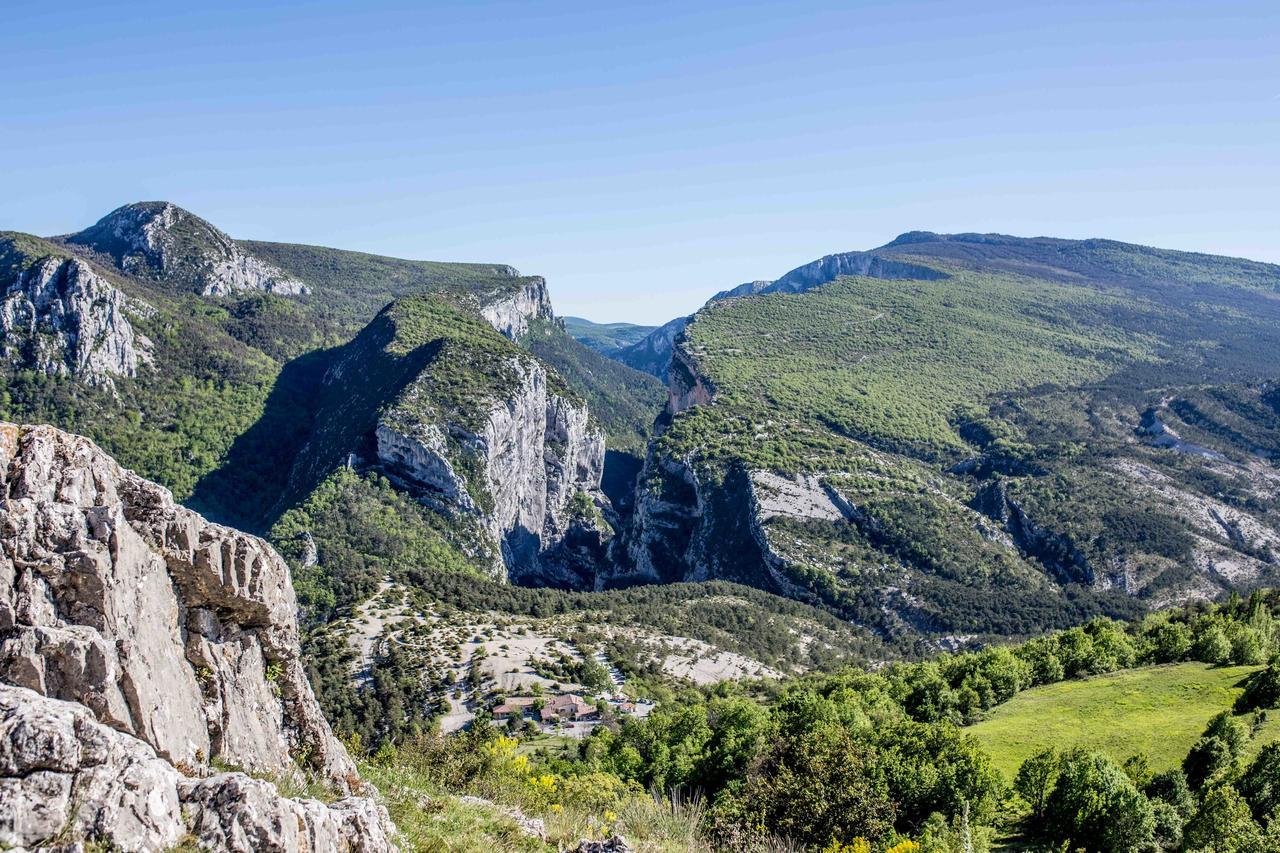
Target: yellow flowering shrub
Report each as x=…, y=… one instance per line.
x=858, y=845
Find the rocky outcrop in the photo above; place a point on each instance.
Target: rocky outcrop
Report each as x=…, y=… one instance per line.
x=60, y=317
x=612, y=844
x=750, y=288
x=802, y=496
x=162, y=241
x=830, y=267
x=164, y=645
x=1057, y=553
x=66, y=777
x=511, y=313
x=686, y=385
x=516, y=467
x=693, y=524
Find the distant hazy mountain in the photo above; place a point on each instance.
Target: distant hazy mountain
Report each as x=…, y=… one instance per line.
x=605, y=337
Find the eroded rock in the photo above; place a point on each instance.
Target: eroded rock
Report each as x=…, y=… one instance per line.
x=529, y=454
x=512, y=314
x=139, y=644
x=61, y=318
x=162, y=241
x=66, y=777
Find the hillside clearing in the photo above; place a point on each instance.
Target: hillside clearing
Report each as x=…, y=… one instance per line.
x=1159, y=710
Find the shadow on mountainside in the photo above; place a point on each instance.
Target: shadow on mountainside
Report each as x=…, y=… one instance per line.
x=246, y=490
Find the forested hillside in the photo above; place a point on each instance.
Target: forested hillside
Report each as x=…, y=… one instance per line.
x=1032, y=432
x=940, y=445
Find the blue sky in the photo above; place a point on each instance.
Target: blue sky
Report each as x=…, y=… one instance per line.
x=644, y=156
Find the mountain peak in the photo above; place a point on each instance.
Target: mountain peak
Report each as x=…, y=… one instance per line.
x=164, y=242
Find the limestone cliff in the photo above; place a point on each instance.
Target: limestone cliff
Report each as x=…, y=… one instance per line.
x=830, y=267
x=140, y=647
x=467, y=423
x=686, y=386
x=511, y=313
x=694, y=525
x=515, y=465
x=161, y=241
x=60, y=317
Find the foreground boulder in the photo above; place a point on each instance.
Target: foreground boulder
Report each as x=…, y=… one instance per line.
x=141, y=647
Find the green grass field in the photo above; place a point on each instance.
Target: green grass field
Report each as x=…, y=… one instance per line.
x=1158, y=710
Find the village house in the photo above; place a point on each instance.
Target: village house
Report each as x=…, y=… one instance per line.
x=513, y=708
x=573, y=708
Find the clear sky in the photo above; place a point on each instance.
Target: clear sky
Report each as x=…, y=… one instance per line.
x=642, y=156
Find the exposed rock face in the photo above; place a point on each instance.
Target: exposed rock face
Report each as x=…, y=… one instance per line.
x=62, y=318
x=532, y=454
x=163, y=241
x=831, y=267
x=750, y=288
x=612, y=844
x=799, y=496
x=686, y=386
x=687, y=527
x=162, y=642
x=65, y=776
x=512, y=314
x=1057, y=553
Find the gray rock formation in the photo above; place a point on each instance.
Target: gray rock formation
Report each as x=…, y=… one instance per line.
x=62, y=318
x=511, y=313
x=612, y=844
x=66, y=777
x=750, y=288
x=652, y=353
x=163, y=643
x=686, y=386
x=516, y=467
x=162, y=241
x=831, y=267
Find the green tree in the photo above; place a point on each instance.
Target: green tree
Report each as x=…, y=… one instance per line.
x=1169, y=642
x=739, y=730
x=1036, y=779
x=1096, y=806
x=936, y=768
x=1261, y=691
x=1260, y=784
x=1212, y=645
x=1209, y=756
x=812, y=788
x=1171, y=787
x=1223, y=824
x=1138, y=768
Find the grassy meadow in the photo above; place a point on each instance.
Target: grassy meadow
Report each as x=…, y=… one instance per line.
x=1159, y=710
